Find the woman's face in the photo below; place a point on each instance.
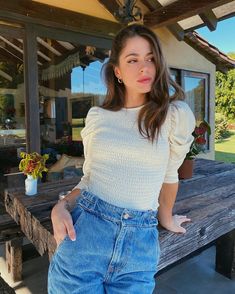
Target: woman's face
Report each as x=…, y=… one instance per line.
x=136, y=67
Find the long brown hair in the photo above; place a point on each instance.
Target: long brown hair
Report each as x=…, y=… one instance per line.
x=153, y=114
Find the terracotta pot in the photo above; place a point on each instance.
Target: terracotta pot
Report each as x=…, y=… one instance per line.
x=185, y=171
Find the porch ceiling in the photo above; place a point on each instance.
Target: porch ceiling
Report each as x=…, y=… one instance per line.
x=99, y=18
x=188, y=14
x=55, y=57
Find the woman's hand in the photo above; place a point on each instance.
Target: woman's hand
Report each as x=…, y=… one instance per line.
x=62, y=223
x=175, y=224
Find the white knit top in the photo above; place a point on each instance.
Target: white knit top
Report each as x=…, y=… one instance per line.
x=125, y=169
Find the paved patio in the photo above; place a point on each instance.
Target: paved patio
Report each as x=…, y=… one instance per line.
x=194, y=276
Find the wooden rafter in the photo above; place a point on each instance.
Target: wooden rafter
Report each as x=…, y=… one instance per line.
x=180, y=10
x=41, y=56
x=38, y=13
x=110, y=5
x=198, y=26
x=11, y=44
x=66, y=45
x=48, y=46
x=7, y=55
x=175, y=28
x=209, y=18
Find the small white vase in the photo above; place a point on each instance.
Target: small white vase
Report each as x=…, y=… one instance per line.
x=31, y=186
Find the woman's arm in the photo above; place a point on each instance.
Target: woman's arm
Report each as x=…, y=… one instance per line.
x=61, y=217
x=166, y=203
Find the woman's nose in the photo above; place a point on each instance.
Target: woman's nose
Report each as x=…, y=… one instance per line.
x=144, y=66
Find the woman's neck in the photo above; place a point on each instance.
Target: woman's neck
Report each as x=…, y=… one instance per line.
x=132, y=102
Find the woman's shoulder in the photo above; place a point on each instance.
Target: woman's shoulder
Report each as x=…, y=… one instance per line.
x=180, y=113
x=180, y=109
x=179, y=105
x=94, y=110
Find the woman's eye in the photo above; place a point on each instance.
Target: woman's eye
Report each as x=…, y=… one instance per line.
x=132, y=61
x=151, y=59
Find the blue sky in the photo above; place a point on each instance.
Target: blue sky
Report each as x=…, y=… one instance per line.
x=223, y=37
x=92, y=79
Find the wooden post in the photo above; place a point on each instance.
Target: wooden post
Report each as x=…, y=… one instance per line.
x=31, y=89
x=14, y=258
x=225, y=255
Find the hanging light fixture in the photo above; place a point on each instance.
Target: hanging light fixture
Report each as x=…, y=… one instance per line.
x=83, y=79
x=129, y=12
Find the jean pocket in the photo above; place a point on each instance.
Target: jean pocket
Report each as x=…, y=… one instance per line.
x=154, y=232
x=76, y=215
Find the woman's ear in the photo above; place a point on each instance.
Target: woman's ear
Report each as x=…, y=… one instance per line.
x=117, y=72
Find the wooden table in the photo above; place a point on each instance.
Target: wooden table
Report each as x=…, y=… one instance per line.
x=208, y=199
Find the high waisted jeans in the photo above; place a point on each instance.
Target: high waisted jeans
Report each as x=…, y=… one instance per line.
x=116, y=251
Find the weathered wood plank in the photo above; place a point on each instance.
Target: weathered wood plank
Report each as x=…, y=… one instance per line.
x=14, y=258
x=209, y=200
x=207, y=225
x=205, y=184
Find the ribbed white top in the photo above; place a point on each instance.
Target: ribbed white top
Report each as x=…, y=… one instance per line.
x=125, y=169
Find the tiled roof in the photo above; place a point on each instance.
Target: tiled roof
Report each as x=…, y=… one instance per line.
x=222, y=61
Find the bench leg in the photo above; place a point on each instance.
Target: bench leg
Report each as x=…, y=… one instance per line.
x=14, y=258
x=225, y=255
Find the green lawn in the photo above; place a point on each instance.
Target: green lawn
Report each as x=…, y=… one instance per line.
x=225, y=150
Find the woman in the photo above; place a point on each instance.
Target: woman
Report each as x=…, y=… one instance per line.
x=133, y=145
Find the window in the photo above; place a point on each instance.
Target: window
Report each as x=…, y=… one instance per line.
x=196, y=87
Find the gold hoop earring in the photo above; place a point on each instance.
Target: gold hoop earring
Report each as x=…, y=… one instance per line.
x=120, y=81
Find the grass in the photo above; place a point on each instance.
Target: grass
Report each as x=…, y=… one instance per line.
x=225, y=149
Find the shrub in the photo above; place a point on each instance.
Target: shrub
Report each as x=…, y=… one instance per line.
x=221, y=127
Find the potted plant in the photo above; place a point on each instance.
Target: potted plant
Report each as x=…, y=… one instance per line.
x=32, y=165
x=198, y=146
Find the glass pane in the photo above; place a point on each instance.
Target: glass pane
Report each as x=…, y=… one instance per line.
x=70, y=84
x=175, y=75
x=12, y=102
x=195, y=90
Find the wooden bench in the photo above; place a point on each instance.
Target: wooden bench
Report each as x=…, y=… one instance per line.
x=10, y=232
x=208, y=199
x=12, y=236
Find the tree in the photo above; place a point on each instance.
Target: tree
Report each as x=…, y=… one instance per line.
x=231, y=54
x=225, y=93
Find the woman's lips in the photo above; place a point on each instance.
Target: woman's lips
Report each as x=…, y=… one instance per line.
x=144, y=80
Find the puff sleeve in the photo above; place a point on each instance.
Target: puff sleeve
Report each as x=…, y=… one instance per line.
x=87, y=134
x=182, y=124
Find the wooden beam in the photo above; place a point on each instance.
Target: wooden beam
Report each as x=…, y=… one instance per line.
x=177, y=31
x=111, y=6
x=175, y=28
x=209, y=18
x=179, y=10
x=152, y=4
x=50, y=16
x=196, y=27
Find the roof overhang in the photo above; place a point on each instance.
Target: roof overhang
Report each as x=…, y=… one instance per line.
x=222, y=61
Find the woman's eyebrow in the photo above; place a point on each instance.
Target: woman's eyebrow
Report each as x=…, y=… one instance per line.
x=136, y=54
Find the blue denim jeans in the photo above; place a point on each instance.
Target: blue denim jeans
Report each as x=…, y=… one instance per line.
x=116, y=251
